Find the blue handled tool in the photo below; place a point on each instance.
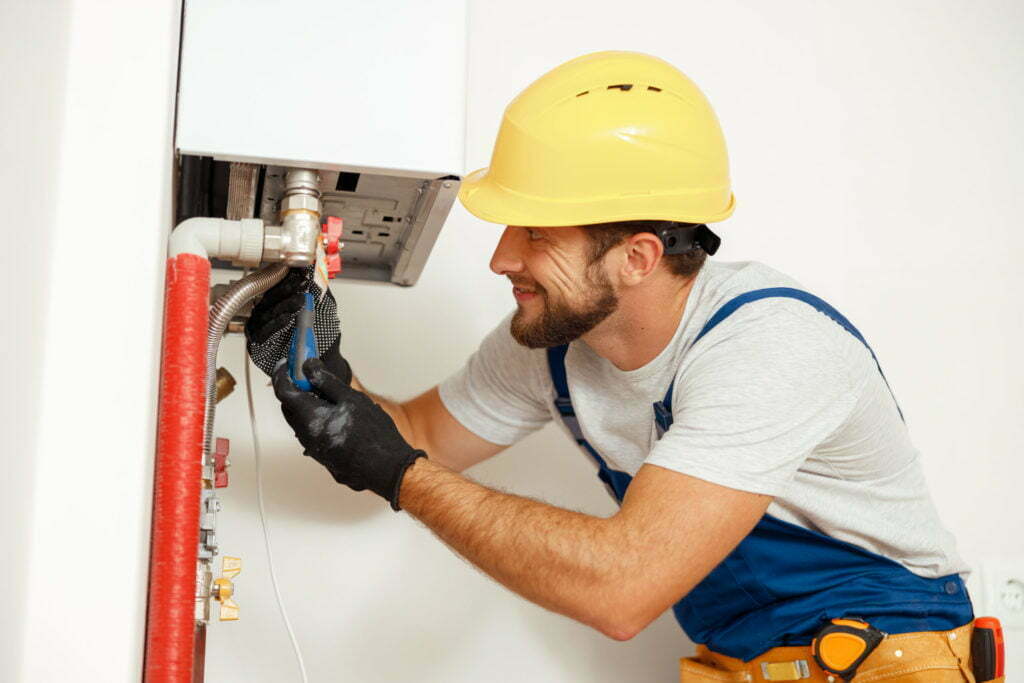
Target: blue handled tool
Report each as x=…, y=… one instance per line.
x=303, y=344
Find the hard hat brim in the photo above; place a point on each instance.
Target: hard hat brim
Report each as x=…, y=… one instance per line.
x=494, y=203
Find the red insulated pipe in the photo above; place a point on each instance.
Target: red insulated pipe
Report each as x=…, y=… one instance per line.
x=178, y=474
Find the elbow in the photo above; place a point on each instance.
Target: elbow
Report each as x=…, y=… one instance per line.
x=620, y=631
x=623, y=624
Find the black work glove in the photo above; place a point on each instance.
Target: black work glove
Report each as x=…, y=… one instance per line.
x=345, y=431
x=268, y=331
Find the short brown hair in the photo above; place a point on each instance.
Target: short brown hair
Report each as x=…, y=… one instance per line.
x=604, y=236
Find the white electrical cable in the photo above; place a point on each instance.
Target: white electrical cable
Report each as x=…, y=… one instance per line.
x=263, y=522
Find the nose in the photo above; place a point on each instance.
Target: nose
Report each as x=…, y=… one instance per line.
x=507, y=257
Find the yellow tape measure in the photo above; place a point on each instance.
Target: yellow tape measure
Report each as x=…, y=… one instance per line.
x=843, y=644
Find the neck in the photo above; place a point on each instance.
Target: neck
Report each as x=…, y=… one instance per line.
x=643, y=325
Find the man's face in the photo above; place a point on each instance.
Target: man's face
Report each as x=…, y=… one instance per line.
x=561, y=296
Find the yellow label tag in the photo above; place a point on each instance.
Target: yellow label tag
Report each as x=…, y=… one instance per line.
x=320, y=276
x=231, y=566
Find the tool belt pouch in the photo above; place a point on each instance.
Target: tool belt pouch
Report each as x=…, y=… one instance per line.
x=926, y=657
x=692, y=670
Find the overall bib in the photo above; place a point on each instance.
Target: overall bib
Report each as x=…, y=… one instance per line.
x=783, y=582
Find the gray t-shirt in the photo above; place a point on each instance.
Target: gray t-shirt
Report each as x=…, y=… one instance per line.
x=777, y=399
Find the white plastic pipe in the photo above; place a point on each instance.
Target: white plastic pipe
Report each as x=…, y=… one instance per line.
x=240, y=242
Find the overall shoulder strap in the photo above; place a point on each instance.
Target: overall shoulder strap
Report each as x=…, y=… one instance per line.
x=616, y=481
x=729, y=307
x=563, y=403
x=663, y=409
x=556, y=366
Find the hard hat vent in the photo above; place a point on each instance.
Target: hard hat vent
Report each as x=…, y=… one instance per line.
x=624, y=87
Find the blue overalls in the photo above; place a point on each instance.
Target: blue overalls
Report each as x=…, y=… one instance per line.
x=782, y=582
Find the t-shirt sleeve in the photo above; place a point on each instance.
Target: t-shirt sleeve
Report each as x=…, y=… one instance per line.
x=755, y=397
x=500, y=394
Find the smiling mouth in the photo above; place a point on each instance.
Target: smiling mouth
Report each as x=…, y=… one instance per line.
x=522, y=294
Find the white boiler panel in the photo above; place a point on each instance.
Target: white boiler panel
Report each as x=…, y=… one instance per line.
x=369, y=87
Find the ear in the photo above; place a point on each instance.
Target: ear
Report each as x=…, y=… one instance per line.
x=642, y=254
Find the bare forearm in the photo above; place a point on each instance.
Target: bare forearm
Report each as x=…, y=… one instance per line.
x=566, y=561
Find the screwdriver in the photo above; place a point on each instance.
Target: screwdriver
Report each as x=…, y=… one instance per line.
x=987, y=654
x=303, y=346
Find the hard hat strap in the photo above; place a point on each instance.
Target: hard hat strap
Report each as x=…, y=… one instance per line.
x=680, y=238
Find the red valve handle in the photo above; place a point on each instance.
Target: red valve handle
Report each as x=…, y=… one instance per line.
x=332, y=230
x=220, y=463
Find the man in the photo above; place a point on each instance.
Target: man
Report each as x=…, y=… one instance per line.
x=766, y=479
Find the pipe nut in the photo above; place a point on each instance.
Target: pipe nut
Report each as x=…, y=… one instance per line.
x=300, y=202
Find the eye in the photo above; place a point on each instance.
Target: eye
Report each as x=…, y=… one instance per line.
x=532, y=234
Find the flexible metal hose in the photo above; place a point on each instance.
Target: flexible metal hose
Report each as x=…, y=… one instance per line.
x=221, y=313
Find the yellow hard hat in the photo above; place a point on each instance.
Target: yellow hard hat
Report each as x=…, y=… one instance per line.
x=609, y=136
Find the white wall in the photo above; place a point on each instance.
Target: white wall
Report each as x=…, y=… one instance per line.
x=876, y=158
x=88, y=93
x=30, y=108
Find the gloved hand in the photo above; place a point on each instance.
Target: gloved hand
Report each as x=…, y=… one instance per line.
x=269, y=329
x=345, y=431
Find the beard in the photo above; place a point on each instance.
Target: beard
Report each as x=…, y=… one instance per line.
x=559, y=322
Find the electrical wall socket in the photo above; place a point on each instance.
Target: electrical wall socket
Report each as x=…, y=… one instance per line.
x=1002, y=586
